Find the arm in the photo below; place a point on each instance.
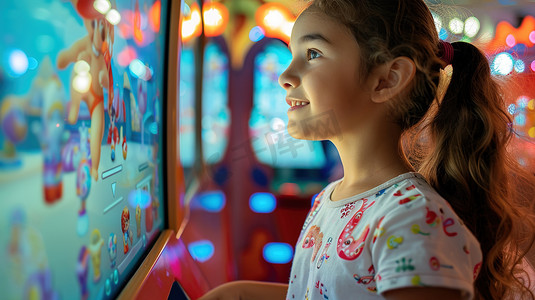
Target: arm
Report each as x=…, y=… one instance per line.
x=434, y=293
x=70, y=55
x=247, y=290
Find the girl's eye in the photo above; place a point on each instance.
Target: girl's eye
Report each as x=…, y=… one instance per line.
x=312, y=54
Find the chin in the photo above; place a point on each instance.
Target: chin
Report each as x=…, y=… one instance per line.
x=298, y=132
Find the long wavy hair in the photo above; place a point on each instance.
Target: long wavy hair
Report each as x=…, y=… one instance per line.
x=458, y=138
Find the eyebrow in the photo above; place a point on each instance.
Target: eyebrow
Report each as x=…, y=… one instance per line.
x=312, y=37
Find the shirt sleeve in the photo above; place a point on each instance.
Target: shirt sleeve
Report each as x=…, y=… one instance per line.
x=423, y=243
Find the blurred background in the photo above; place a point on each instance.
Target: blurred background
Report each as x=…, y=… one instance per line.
x=144, y=142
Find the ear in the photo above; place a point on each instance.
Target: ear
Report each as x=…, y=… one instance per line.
x=392, y=78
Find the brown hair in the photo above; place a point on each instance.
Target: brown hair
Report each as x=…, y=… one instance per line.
x=465, y=134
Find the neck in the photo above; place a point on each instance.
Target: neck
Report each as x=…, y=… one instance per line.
x=369, y=158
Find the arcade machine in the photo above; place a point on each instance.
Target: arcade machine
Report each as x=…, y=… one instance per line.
x=235, y=226
x=91, y=183
x=204, y=123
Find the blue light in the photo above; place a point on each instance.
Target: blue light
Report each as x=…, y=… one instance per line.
x=443, y=34
x=212, y=201
x=511, y=109
x=141, y=197
x=278, y=253
x=256, y=34
x=519, y=66
x=262, y=202
x=201, y=250
x=520, y=120
x=313, y=199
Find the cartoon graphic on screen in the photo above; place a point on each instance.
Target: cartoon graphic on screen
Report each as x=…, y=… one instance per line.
x=91, y=73
x=50, y=130
x=149, y=220
x=142, y=105
x=27, y=261
x=112, y=249
x=82, y=269
x=95, y=248
x=83, y=179
x=116, y=109
x=138, y=220
x=14, y=128
x=125, y=227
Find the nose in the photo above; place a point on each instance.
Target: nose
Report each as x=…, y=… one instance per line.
x=288, y=78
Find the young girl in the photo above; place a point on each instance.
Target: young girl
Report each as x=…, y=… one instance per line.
x=457, y=229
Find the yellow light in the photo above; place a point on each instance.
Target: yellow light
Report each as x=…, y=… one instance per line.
x=196, y=17
x=276, y=20
x=273, y=19
x=215, y=18
x=531, y=132
x=287, y=28
x=188, y=27
x=191, y=25
x=531, y=104
x=212, y=17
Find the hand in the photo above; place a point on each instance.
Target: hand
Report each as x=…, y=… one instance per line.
x=247, y=290
x=228, y=291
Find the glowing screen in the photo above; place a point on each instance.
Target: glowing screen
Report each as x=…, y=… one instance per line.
x=216, y=116
x=81, y=92
x=187, y=107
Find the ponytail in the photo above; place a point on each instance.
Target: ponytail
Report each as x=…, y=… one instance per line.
x=470, y=167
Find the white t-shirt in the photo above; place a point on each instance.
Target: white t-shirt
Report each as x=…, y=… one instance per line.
x=399, y=234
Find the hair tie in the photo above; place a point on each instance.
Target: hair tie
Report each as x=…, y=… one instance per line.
x=445, y=52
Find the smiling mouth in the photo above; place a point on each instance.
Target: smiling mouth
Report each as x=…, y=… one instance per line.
x=296, y=104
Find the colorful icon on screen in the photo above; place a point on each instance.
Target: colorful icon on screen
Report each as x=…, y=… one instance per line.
x=82, y=269
x=125, y=227
x=95, y=248
x=112, y=249
x=138, y=220
x=83, y=186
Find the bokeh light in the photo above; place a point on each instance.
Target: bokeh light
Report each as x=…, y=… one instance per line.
x=471, y=26
x=262, y=202
x=278, y=253
x=211, y=201
x=510, y=40
x=502, y=64
x=520, y=66
x=456, y=26
x=201, y=250
x=113, y=16
x=256, y=34
x=17, y=62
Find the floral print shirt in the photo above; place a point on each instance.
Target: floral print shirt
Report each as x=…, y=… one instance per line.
x=399, y=234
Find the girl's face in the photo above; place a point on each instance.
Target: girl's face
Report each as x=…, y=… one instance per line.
x=324, y=74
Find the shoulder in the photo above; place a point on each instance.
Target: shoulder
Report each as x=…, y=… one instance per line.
x=412, y=197
x=423, y=242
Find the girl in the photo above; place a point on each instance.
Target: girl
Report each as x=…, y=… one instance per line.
x=454, y=230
